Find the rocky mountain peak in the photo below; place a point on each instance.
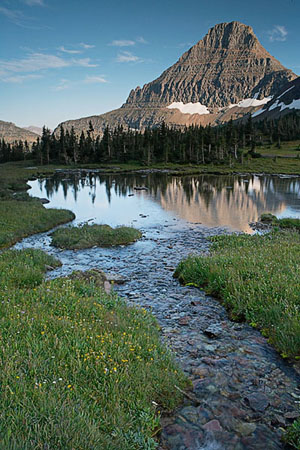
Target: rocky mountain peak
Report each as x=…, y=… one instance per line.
x=224, y=76
x=227, y=66
x=230, y=35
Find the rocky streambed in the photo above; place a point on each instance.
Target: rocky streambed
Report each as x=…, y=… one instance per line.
x=243, y=393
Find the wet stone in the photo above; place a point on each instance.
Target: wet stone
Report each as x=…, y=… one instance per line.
x=213, y=425
x=244, y=428
x=116, y=278
x=213, y=331
x=257, y=401
x=190, y=413
x=184, y=321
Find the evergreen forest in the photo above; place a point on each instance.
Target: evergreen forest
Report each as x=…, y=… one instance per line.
x=190, y=145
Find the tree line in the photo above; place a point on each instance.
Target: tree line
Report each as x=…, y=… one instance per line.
x=163, y=144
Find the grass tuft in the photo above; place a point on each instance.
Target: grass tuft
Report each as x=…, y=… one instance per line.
x=24, y=268
x=19, y=219
x=292, y=436
x=87, y=236
x=257, y=279
x=287, y=222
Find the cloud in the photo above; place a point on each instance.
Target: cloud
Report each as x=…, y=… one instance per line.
x=20, y=19
x=278, y=33
x=63, y=84
x=20, y=78
x=68, y=84
x=141, y=40
x=14, y=16
x=94, y=79
x=65, y=50
x=127, y=42
x=125, y=57
x=84, y=62
x=33, y=62
x=18, y=70
x=122, y=43
x=86, y=46
x=34, y=2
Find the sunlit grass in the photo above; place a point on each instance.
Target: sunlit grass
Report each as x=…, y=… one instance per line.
x=21, y=218
x=79, y=369
x=258, y=280
x=287, y=222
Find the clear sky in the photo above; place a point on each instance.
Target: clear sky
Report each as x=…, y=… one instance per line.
x=66, y=59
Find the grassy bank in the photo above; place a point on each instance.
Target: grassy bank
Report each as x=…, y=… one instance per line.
x=23, y=218
x=80, y=369
x=257, y=279
x=13, y=176
x=285, y=223
x=87, y=236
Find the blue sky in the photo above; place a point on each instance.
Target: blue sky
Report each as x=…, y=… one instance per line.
x=63, y=60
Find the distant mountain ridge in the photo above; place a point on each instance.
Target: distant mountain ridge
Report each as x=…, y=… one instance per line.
x=225, y=75
x=10, y=133
x=34, y=129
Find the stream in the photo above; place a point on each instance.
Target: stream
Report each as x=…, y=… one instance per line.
x=244, y=393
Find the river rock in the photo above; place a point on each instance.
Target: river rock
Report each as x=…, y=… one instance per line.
x=257, y=401
x=115, y=278
x=213, y=331
x=107, y=287
x=213, y=425
x=44, y=201
x=245, y=429
x=184, y=321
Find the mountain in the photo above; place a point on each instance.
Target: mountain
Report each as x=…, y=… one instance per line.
x=34, y=129
x=10, y=133
x=286, y=100
x=225, y=75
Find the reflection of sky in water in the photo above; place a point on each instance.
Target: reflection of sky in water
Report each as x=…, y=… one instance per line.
x=208, y=199
x=93, y=203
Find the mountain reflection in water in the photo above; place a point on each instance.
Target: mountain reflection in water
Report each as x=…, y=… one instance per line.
x=212, y=200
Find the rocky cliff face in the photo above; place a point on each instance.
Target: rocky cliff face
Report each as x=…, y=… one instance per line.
x=10, y=133
x=218, y=76
x=227, y=66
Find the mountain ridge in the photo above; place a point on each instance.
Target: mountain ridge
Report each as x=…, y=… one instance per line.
x=222, y=75
x=205, y=72
x=11, y=133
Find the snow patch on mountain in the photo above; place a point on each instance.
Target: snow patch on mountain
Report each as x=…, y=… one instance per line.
x=257, y=113
x=251, y=102
x=189, y=108
x=294, y=105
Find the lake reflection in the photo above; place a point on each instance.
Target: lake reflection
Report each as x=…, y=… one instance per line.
x=212, y=200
